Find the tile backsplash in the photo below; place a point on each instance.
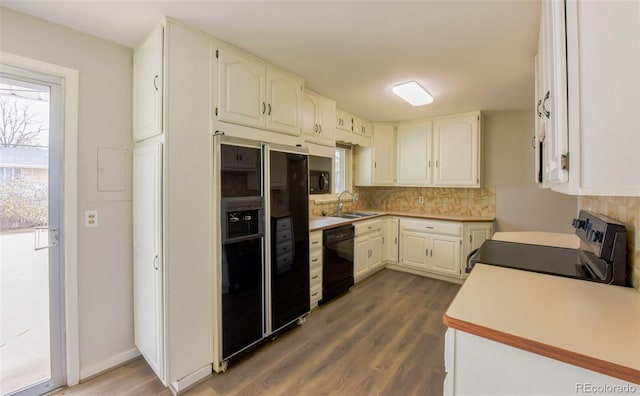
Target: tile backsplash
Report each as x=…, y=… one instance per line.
x=627, y=211
x=437, y=201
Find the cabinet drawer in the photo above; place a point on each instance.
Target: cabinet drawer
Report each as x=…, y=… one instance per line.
x=284, y=247
x=283, y=224
x=315, y=240
x=282, y=236
x=284, y=262
x=316, y=294
x=432, y=226
x=315, y=260
x=362, y=227
x=315, y=277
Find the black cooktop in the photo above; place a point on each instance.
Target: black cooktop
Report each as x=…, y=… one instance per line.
x=544, y=259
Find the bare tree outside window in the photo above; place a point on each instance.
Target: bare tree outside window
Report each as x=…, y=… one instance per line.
x=24, y=156
x=19, y=126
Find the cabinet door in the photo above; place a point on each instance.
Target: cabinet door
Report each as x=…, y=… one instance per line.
x=375, y=249
x=147, y=257
x=327, y=122
x=360, y=257
x=390, y=241
x=147, y=86
x=310, y=108
x=456, y=151
x=384, y=143
x=477, y=235
x=414, y=154
x=413, y=247
x=241, y=90
x=284, y=95
x=344, y=120
x=444, y=255
x=554, y=93
x=367, y=129
x=538, y=130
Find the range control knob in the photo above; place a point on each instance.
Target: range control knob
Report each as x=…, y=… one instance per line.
x=577, y=223
x=597, y=236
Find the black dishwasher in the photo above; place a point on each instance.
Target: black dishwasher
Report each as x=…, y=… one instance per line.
x=337, y=261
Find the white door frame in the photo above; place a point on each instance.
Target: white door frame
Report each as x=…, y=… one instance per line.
x=70, y=201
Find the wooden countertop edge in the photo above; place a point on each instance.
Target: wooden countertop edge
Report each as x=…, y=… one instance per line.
x=563, y=355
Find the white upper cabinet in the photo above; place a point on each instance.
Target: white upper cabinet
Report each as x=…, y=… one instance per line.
x=148, y=82
x=318, y=119
x=457, y=151
x=344, y=121
x=284, y=98
x=443, y=152
x=241, y=89
x=554, y=90
x=361, y=127
x=253, y=94
x=588, y=97
x=603, y=80
x=384, y=155
x=414, y=154
x=377, y=164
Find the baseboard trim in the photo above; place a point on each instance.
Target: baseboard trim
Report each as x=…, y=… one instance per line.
x=180, y=386
x=426, y=274
x=108, y=364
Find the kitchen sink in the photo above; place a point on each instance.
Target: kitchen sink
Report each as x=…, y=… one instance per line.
x=353, y=215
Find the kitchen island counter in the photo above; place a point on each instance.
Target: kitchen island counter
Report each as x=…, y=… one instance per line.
x=586, y=324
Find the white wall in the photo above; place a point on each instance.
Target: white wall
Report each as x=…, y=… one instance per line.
x=508, y=166
x=105, y=252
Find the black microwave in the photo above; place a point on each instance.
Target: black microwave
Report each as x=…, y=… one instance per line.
x=319, y=182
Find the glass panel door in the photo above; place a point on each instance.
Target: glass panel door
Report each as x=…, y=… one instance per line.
x=31, y=343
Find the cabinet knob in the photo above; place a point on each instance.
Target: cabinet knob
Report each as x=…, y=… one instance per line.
x=264, y=107
x=269, y=106
x=155, y=82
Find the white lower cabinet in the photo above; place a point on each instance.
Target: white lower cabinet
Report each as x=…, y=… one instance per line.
x=367, y=257
x=439, y=248
x=432, y=246
x=147, y=248
x=390, y=240
x=315, y=268
x=479, y=366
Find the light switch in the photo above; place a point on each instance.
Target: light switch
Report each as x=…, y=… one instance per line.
x=91, y=218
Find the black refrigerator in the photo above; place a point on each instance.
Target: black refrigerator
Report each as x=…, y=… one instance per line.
x=263, y=267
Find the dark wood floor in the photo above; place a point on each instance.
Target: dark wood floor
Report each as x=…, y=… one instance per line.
x=384, y=337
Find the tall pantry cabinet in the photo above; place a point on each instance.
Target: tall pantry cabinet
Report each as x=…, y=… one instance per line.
x=172, y=204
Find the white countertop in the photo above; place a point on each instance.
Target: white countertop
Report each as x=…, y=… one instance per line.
x=569, y=241
x=591, y=325
x=321, y=223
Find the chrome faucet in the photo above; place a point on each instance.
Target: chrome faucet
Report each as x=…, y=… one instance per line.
x=353, y=199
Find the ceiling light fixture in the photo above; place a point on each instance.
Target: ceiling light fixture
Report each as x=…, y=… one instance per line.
x=413, y=93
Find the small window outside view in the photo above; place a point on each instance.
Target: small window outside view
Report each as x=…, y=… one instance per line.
x=340, y=169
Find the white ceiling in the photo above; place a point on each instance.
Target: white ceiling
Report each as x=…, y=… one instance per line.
x=470, y=55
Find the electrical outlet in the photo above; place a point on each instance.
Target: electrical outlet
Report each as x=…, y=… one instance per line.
x=91, y=218
x=421, y=199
